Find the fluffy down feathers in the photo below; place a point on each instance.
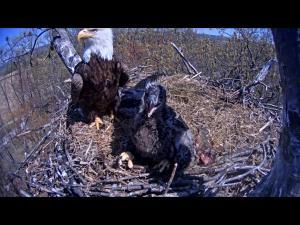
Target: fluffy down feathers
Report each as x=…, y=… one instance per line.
x=154, y=129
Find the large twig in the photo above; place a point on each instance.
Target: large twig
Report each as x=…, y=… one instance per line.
x=266, y=125
x=187, y=63
x=35, y=149
x=143, y=175
x=24, y=193
x=71, y=165
x=264, y=71
x=239, y=177
x=171, y=178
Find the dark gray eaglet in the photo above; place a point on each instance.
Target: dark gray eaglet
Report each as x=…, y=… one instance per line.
x=158, y=134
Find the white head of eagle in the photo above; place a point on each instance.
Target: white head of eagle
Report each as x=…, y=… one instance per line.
x=97, y=41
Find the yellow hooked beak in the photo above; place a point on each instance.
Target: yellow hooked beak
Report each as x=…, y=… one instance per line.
x=84, y=34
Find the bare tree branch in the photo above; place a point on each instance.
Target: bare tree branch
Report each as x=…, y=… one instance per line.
x=28, y=52
x=258, y=79
x=35, y=41
x=187, y=63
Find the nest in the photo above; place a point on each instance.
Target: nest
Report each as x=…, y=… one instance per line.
x=80, y=161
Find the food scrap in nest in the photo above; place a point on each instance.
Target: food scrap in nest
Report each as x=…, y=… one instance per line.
x=235, y=153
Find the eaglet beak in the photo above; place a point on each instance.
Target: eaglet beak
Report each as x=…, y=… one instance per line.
x=84, y=34
x=152, y=111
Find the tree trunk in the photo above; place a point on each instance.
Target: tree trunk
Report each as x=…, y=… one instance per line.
x=284, y=178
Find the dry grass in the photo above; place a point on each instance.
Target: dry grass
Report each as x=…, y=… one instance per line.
x=230, y=126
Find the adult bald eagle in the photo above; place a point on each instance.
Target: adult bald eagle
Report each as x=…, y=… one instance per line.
x=158, y=134
x=98, y=77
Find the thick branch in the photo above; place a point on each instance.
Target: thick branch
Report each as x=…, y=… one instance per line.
x=258, y=79
x=64, y=48
x=187, y=63
x=262, y=73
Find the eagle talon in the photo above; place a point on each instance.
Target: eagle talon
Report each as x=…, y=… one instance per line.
x=97, y=122
x=126, y=156
x=112, y=116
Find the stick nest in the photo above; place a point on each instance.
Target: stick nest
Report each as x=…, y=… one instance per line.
x=240, y=139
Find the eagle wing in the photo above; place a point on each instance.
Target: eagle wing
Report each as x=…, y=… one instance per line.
x=123, y=70
x=76, y=87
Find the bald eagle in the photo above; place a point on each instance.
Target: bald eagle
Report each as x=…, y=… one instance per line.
x=98, y=77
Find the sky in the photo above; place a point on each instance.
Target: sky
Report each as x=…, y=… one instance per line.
x=11, y=32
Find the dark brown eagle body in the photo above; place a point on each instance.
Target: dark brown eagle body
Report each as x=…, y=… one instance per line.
x=97, y=88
